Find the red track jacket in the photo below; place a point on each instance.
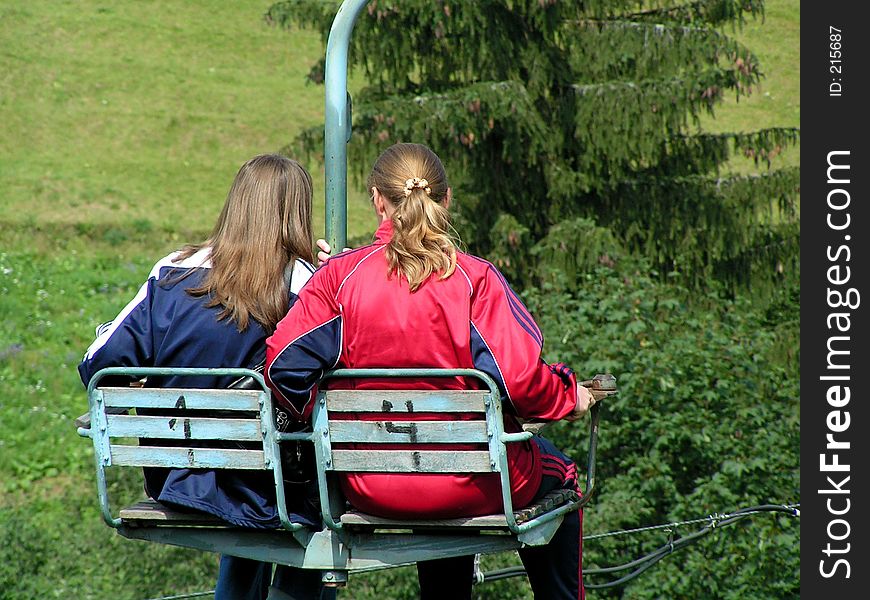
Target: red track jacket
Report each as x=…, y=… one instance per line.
x=352, y=314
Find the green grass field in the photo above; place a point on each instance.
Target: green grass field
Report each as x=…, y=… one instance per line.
x=136, y=113
x=121, y=127
x=776, y=102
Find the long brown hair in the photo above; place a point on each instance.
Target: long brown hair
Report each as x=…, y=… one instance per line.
x=421, y=243
x=265, y=225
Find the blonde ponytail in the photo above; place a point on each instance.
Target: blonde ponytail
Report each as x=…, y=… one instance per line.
x=413, y=179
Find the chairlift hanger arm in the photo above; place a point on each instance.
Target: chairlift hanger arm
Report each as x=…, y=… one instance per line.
x=337, y=124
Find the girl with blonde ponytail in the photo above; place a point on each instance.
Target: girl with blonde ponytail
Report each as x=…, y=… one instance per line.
x=412, y=300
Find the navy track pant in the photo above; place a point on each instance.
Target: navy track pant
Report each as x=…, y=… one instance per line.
x=554, y=570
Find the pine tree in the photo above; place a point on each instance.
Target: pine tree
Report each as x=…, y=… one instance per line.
x=549, y=113
x=571, y=132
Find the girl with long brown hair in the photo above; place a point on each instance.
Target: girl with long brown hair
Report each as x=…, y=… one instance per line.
x=213, y=304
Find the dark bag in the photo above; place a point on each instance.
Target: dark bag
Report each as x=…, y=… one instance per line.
x=297, y=458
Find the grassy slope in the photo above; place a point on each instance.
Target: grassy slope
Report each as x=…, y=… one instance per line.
x=124, y=112
x=122, y=126
x=776, y=103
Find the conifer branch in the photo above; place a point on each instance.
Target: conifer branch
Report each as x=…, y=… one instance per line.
x=692, y=152
x=644, y=50
x=314, y=14
x=568, y=110
x=649, y=27
x=709, y=11
x=788, y=175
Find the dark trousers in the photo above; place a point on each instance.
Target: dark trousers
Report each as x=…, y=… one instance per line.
x=242, y=579
x=299, y=584
x=245, y=579
x=554, y=570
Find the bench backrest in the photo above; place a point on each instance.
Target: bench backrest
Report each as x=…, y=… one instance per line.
x=182, y=427
x=192, y=428
x=187, y=417
x=387, y=437
x=385, y=441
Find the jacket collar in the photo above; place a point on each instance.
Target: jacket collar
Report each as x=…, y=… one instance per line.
x=385, y=232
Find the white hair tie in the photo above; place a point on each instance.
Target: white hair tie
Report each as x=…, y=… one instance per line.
x=417, y=183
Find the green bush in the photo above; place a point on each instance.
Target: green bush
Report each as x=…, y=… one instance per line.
x=55, y=545
x=706, y=421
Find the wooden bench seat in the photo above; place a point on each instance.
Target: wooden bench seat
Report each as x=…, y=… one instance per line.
x=192, y=428
x=356, y=519
x=154, y=513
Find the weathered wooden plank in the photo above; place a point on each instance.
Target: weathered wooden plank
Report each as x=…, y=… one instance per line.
x=549, y=502
x=190, y=458
x=405, y=401
x=182, y=398
x=411, y=461
x=398, y=432
x=84, y=421
x=357, y=519
x=152, y=511
x=185, y=428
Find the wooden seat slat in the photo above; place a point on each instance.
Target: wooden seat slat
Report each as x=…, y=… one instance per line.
x=84, y=421
x=358, y=519
x=550, y=501
x=396, y=432
x=182, y=398
x=152, y=511
x=411, y=461
x=181, y=428
x=406, y=401
x=186, y=458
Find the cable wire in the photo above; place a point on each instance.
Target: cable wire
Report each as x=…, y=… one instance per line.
x=182, y=596
x=754, y=509
x=712, y=522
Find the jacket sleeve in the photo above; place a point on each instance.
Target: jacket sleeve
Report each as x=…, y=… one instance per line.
x=506, y=344
x=125, y=341
x=306, y=343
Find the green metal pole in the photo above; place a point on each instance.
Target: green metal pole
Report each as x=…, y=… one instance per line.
x=337, y=122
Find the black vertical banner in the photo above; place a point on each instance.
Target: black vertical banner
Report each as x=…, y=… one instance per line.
x=835, y=300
